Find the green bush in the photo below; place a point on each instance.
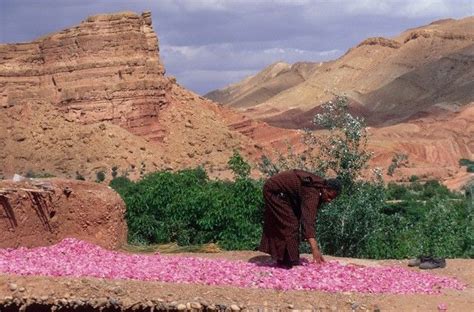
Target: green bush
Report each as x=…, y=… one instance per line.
x=188, y=208
x=345, y=226
x=38, y=175
x=468, y=163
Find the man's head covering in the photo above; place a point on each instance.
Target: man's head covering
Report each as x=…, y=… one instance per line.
x=334, y=184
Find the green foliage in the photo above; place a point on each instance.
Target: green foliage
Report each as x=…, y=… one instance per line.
x=341, y=151
x=100, y=176
x=369, y=220
x=344, y=150
x=345, y=226
x=398, y=222
x=468, y=163
x=239, y=166
x=188, y=208
x=398, y=160
x=38, y=175
x=465, y=162
x=122, y=185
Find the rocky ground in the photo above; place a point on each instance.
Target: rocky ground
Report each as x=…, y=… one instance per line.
x=35, y=293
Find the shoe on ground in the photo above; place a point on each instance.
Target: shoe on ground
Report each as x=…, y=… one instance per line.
x=417, y=261
x=433, y=264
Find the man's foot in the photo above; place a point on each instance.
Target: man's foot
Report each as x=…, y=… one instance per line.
x=433, y=264
x=419, y=260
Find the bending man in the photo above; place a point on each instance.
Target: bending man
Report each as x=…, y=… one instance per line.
x=292, y=198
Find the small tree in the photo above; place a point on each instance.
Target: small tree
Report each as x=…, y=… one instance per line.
x=239, y=166
x=398, y=160
x=342, y=149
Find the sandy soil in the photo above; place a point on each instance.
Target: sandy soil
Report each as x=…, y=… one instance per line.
x=116, y=295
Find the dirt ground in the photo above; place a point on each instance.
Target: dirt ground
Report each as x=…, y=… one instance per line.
x=34, y=293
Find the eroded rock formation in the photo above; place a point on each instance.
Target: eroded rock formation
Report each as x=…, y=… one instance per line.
x=43, y=212
x=95, y=96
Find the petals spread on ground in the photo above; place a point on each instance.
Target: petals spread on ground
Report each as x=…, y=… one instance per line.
x=75, y=258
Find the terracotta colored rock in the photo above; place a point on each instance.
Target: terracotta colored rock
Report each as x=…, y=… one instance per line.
x=39, y=213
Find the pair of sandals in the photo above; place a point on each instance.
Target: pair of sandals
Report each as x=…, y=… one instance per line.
x=427, y=262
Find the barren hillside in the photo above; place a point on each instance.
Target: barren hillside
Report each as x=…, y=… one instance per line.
x=388, y=80
x=264, y=85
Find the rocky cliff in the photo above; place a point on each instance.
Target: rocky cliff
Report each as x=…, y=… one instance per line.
x=105, y=69
x=95, y=96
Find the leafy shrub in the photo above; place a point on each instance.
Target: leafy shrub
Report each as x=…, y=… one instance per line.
x=188, y=208
x=342, y=151
x=239, y=166
x=468, y=163
x=38, y=175
x=345, y=226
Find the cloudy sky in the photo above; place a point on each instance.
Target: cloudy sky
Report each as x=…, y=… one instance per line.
x=207, y=44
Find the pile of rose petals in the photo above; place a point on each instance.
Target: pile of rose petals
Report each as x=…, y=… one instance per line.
x=76, y=258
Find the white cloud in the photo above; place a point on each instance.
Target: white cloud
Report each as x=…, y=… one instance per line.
x=221, y=64
x=393, y=8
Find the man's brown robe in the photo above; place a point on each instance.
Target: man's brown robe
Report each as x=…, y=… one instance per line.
x=291, y=198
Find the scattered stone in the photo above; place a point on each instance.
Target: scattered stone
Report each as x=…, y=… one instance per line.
x=196, y=305
x=235, y=307
x=12, y=286
x=181, y=307
x=21, y=289
x=118, y=290
x=115, y=302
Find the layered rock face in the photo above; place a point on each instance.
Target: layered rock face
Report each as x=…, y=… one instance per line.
x=105, y=69
x=95, y=96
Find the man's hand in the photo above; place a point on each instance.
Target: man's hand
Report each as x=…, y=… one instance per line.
x=317, y=256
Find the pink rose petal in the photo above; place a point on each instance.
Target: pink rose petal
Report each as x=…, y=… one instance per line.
x=72, y=257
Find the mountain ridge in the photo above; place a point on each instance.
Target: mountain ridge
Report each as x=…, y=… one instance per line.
x=365, y=68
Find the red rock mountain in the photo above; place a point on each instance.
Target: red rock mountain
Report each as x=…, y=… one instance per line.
x=95, y=96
